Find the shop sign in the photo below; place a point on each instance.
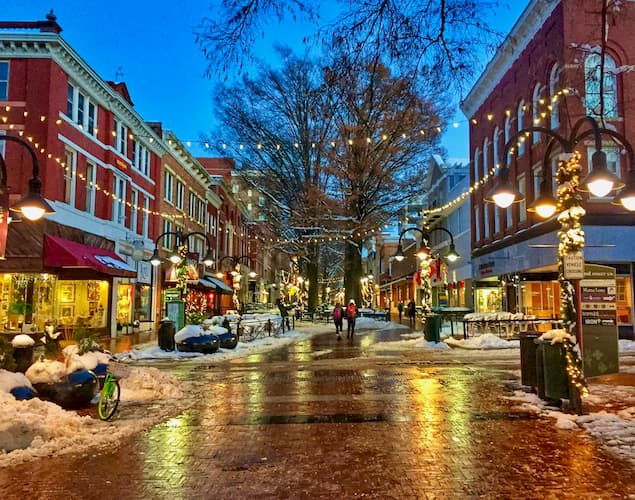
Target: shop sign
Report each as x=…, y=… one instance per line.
x=486, y=268
x=574, y=266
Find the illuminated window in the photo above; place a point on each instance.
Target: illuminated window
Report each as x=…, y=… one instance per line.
x=594, y=100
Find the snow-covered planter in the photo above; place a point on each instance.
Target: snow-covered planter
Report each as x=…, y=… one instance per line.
x=16, y=384
x=193, y=338
x=53, y=382
x=22, y=351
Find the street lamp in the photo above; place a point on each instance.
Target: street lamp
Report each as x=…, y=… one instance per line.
x=235, y=261
x=600, y=181
x=180, y=241
x=32, y=205
x=425, y=255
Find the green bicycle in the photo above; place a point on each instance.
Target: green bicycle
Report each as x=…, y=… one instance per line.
x=109, y=397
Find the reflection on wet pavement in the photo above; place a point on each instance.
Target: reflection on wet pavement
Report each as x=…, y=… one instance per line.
x=323, y=419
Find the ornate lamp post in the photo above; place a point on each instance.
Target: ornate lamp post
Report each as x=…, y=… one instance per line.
x=235, y=262
x=425, y=255
x=32, y=206
x=600, y=182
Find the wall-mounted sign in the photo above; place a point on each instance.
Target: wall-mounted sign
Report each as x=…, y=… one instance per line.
x=574, y=265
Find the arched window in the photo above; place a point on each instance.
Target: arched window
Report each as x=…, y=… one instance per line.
x=486, y=156
x=554, y=82
x=520, y=124
x=508, y=134
x=593, y=99
x=535, y=112
x=496, y=145
x=477, y=154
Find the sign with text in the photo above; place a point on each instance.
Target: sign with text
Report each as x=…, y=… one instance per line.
x=574, y=266
x=598, y=314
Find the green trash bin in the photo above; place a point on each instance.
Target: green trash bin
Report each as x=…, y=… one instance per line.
x=528, y=367
x=432, y=328
x=554, y=364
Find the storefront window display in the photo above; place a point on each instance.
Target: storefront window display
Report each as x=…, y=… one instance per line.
x=624, y=300
x=540, y=298
x=487, y=299
x=125, y=295
x=82, y=303
x=27, y=301
x=143, y=302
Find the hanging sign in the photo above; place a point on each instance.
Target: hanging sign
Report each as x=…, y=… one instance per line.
x=574, y=266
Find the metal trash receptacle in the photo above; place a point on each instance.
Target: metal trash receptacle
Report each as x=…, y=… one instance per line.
x=554, y=370
x=432, y=328
x=528, y=350
x=167, y=330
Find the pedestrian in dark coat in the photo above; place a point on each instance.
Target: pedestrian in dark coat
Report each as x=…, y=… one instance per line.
x=412, y=312
x=284, y=314
x=400, y=310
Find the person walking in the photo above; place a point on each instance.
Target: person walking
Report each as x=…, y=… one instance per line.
x=338, y=318
x=412, y=312
x=351, y=315
x=400, y=310
x=284, y=314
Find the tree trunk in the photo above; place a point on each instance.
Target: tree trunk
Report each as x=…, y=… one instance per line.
x=352, y=272
x=312, y=275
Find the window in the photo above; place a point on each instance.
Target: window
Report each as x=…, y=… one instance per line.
x=91, y=172
x=477, y=152
x=509, y=222
x=168, y=186
x=520, y=124
x=535, y=112
x=497, y=220
x=477, y=224
x=554, y=177
x=554, y=82
x=4, y=80
x=508, y=134
x=134, y=212
x=235, y=188
x=145, y=216
x=192, y=206
x=140, y=158
x=249, y=193
x=486, y=156
x=522, y=206
x=200, y=214
x=70, y=166
x=121, y=138
x=119, y=200
x=608, y=98
x=167, y=238
x=485, y=222
x=261, y=201
x=2, y=143
x=81, y=110
x=496, y=141
x=537, y=178
x=180, y=195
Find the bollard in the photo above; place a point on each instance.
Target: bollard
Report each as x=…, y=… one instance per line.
x=269, y=327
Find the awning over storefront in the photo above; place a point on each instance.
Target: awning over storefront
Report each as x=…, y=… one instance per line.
x=60, y=252
x=219, y=285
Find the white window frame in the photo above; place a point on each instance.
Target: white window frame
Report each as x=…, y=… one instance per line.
x=81, y=109
x=119, y=200
x=497, y=220
x=554, y=82
x=477, y=224
x=166, y=240
x=69, y=176
x=121, y=138
x=4, y=83
x=91, y=176
x=201, y=212
x=520, y=124
x=486, y=229
x=145, y=217
x=134, y=211
x=485, y=156
x=179, y=199
x=477, y=153
x=168, y=186
x=535, y=112
x=592, y=86
x=522, y=189
x=496, y=146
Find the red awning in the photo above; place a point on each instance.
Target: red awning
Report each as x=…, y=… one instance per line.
x=59, y=252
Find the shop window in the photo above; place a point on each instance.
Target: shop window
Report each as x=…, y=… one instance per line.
x=540, y=298
x=487, y=299
x=624, y=300
x=4, y=80
x=142, y=302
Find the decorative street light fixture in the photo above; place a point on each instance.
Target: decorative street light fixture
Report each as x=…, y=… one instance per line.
x=180, y=241
x=425, y=254
x=600, y=182
x=32, y=205
x=235, y=261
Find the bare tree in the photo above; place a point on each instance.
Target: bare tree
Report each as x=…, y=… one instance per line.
x=437, y=38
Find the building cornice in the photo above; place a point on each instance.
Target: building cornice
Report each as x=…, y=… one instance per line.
x=530, y=21
x=53, y=46
x=185, y=159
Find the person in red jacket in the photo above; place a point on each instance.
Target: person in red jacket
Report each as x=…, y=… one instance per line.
x=351, y=315
x=338, y=318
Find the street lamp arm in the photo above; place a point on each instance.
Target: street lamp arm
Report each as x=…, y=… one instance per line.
x=22, y=142
x=439, y=228
x=564, y=142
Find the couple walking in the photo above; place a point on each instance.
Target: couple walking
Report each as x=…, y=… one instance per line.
x=338, y=318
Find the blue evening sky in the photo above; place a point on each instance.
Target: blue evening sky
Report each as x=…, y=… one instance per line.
x=153, y=44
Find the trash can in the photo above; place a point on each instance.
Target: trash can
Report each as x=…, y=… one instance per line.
x=23, y=356
x=167, y=330
x=554, y=370
x=528, y=349
x=432, y=328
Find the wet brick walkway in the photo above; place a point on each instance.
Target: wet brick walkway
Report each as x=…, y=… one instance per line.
x=339, y=425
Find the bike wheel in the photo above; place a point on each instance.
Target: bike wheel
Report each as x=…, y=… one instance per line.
x=108, y=400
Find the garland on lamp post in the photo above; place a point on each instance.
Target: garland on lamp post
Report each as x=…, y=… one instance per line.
x=571, y=240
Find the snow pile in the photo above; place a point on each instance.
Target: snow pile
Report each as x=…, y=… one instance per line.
x=485, y=341
x=143, y=384
x=10, y=381
x=46, y=371
x=187, y=332
x=626, y=345
x=557, y=336
x=87, y=361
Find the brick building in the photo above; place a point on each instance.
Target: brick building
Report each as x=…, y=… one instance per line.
x=546, y=73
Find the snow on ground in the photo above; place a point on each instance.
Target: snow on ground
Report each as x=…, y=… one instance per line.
x=37, y=428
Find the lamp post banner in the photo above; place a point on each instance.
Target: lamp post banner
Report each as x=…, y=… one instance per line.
x=4, y=221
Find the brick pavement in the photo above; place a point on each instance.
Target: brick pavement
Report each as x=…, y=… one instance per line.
x=289, y=426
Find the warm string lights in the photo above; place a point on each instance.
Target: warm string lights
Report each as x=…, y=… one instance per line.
x=571, y=239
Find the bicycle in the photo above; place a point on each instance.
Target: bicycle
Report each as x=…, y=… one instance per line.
x=109, y=396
